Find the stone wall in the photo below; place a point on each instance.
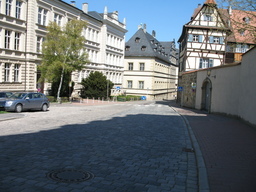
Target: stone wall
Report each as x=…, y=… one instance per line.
x=187, y=96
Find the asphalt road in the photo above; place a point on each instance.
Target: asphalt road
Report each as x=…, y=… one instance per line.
x=130, y=147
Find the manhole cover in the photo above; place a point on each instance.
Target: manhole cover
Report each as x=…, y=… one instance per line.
x=70, y=175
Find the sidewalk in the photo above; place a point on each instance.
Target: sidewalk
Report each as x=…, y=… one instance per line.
x=228, y=147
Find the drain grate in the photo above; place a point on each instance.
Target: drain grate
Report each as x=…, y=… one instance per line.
x=70, y=175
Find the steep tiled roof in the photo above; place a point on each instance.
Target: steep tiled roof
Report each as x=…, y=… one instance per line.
x=238, y=24
x=142, y=44
x=210, y=2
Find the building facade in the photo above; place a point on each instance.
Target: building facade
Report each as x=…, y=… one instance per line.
x=202, y=42
x=23, y=29
x=215, y=37
x=150, y=67
x=212, y=38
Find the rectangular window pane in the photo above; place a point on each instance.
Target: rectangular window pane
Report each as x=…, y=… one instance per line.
x=8, y=7
x=39, y=44
x=16, y=72
x=129, y=84
x=142, y=65
x=17, y=41
x=18, y=9
x=195, y=38
x=57, y=19
x=7, y=72
x=141, y=84
x=130, y=67
x=42, y=13
x=7, y=39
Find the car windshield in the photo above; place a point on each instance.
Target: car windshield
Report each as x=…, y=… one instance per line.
x=18, y=95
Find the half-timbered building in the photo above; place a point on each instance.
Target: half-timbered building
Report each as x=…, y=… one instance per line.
x=202, y=43
x=215, y=37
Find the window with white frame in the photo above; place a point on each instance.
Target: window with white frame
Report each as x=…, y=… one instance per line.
x=7, y=68
x=7, y=39
x=57, y=18
x=42, y=14
x=39, y=43
x=216, y=39
x=195, y=38
x=18, y=9
x=17, y=41
x=205, y=63
x=142, y=66
x=130, y=66
x=8, y=7
x=129, y=84
x=141, y=84
x=16, y=73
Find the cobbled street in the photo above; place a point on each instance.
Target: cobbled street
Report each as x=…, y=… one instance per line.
x=122, y=147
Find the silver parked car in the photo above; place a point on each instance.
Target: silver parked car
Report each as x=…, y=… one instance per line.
x=27, y=101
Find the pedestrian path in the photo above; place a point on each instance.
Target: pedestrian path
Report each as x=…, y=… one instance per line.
x=228, y=147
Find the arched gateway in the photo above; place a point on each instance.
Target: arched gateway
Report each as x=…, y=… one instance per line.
x=206, y=95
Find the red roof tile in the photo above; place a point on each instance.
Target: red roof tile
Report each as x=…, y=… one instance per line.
x=210, y=2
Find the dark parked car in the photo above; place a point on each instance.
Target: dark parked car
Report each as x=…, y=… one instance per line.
x=5, y=94
x=3, y=97
x=27, y=101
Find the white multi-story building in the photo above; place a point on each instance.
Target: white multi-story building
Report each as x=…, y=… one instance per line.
x=22, y=31
x=150, y=67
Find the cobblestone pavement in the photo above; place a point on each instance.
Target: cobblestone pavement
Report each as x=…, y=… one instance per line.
x=140, y=147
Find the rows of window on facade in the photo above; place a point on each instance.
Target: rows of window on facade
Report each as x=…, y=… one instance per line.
x=140, y=66
x=10, y=73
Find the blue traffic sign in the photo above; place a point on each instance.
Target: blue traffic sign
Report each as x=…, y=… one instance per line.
x=180, y=88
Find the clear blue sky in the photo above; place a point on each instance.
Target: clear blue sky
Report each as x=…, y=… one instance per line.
x=166, y=17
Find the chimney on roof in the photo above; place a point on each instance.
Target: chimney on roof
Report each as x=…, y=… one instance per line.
x=230, y=10
x=85, y=7
x=199, y=5
x=154, y=33
x=73, y=3
x=144, y=28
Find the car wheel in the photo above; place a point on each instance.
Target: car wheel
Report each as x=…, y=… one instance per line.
x=44, y=107
x=18, y=108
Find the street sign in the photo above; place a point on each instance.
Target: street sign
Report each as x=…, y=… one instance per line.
x=143, y=98
x=180, y=88
x=118, y=88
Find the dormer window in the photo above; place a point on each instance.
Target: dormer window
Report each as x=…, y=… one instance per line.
x=152, y=41
x=143, y=48
x=127, y=48
x=241, y=31
x=137, y=40
x=246, y=20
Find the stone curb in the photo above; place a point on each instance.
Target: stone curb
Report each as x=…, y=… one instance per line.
x=203, y=183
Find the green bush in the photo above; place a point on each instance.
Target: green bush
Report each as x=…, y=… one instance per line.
x=128, y=98
x=54, y=99
x=51, y=98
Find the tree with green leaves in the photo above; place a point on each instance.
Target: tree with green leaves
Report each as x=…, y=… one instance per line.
x=63, y=52
x=96, y=85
